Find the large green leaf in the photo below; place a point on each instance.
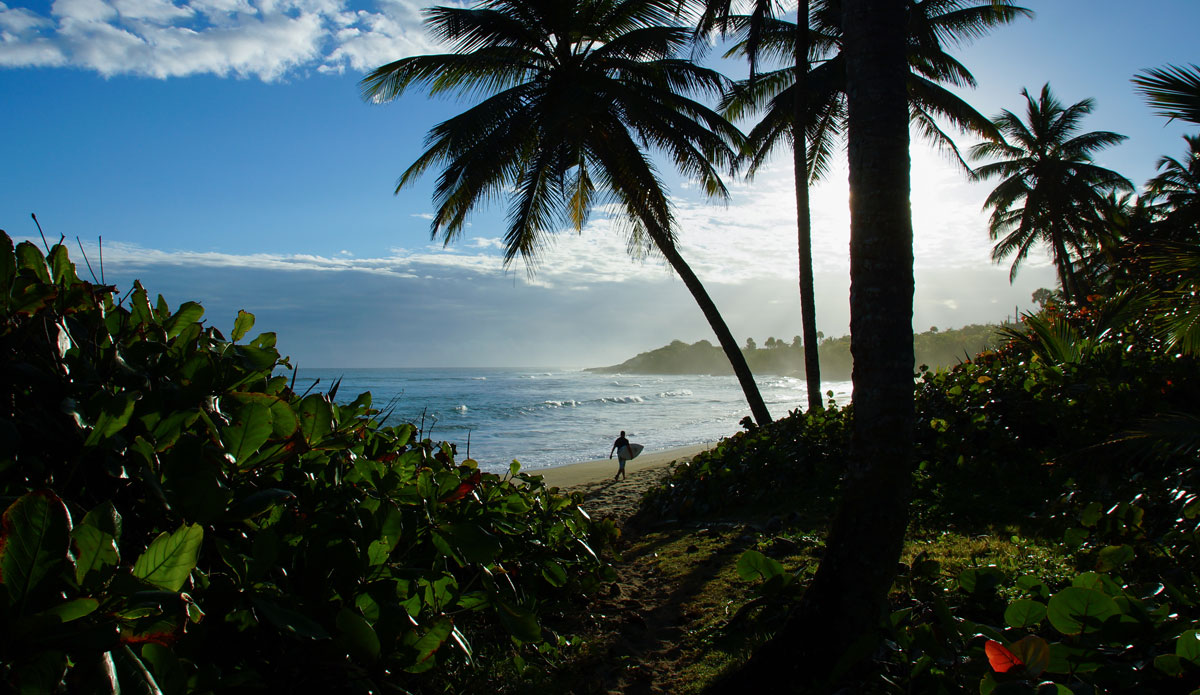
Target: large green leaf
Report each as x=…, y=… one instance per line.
x=106, y=518
x=554, y=573
x=31, y=259
x=29, y=296
x=1024, y=613
x=1188, y=646
x=62, y=270
x=94, y=550
x=170, y=558
x=358, y=636
x=1076, y=610
x=244, y=322
x=316, y=418
x=289, y=620
x=8, y=267
x=429, y=643
x=284, y=422
x=1033, y=651
x=754, y=565
x=34, y=542
x=73, y=609
x=114, y=415
x=250, y=430
x=1114, y=557
x=168, y=430
x=980, y=580
x=189, y=313
x=139, y=305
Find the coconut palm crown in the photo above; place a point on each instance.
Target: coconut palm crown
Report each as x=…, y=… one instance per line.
x=573, y=91
x=811, y=90
x=932, y=27
x=1176, y=187
x=1050, y=191
x=571, y=96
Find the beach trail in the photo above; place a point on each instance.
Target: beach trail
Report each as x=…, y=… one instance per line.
x=605, y=498
x=580, y=475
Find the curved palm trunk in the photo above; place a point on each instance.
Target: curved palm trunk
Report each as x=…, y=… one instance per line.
x=734, y=353
x=808, y=310
x=836, y=623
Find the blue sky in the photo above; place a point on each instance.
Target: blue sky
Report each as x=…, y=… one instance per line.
x=221, y=150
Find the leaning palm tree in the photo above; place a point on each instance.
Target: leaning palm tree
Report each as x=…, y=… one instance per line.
x=574, y=91
x=816, y=97
x=1051, y=192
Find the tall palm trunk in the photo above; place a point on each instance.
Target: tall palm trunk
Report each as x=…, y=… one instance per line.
x=849, y=592
x=734, y=353
x=836, y=623
x=1066, y=272
x=808, y=310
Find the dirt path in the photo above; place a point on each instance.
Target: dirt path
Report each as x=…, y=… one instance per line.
x=638, y=628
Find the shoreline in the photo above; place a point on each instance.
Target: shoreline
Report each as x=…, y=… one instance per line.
x=573, y=475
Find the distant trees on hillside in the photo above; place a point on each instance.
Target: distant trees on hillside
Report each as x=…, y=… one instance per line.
x=934, y=348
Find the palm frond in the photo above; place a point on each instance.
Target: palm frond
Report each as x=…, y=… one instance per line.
x=1167, y=434
x=1174, y=90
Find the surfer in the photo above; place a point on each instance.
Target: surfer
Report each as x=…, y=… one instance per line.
x=621, y=446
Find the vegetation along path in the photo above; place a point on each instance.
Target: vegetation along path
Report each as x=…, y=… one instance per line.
x=651, y=629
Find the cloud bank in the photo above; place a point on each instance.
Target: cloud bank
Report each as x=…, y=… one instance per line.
x=264, y=39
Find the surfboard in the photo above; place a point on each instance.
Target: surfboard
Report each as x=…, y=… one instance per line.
x=634, y=450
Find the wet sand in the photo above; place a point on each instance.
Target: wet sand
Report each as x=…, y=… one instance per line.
x=580, y=474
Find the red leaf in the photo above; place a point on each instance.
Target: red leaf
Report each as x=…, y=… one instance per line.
x=464, y=488
x=1001, y=659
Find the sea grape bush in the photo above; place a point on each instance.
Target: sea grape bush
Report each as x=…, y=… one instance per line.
x=178, y=520
x=798, y=453
x=1125, y=622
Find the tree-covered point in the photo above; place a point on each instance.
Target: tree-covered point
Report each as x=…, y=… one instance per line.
x=934, y=348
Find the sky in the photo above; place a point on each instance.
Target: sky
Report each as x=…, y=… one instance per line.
x=219, y=151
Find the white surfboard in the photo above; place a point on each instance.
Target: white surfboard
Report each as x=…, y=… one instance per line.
x=633, y=451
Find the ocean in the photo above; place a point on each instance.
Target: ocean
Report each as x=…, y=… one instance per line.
x=546, y=418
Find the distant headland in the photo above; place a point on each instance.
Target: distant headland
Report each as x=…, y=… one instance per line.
x=935, y=348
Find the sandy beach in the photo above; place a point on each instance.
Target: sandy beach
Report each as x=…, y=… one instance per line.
x=581, y=474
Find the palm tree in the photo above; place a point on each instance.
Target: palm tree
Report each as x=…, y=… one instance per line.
x=840, y=611
x=1051, y=192
x=1177, y=187
x=756, y=31
x=573, y=91
x=795, y=94
x=1174, y=90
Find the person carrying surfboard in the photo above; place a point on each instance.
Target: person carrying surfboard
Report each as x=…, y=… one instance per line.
x=625, y=451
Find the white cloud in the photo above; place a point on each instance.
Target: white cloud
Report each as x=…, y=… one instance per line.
x=156, y=11
x=18, y=20
x=486, y=243
x=266, y=39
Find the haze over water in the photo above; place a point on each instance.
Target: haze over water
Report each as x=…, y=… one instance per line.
x=549, y=417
